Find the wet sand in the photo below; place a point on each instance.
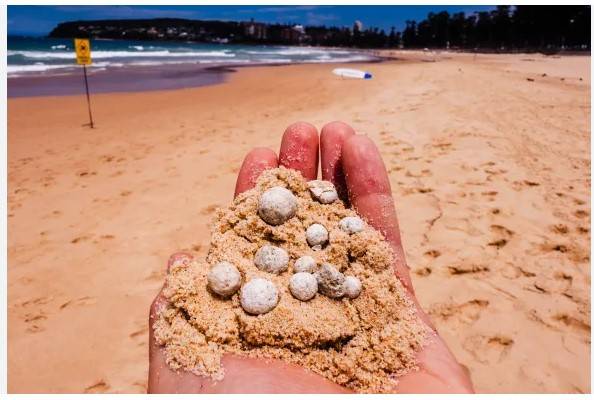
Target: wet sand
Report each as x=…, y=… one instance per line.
x=489, y=160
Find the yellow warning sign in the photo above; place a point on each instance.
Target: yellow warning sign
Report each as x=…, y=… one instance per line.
x=83, y=51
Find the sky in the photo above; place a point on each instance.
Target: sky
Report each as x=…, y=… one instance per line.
x=40, y=20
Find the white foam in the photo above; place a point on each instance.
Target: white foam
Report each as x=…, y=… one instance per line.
x=99, y=54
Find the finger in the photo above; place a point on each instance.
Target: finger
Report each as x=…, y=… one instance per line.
x=371, y=195
x=161, y=378
x=254, y=163
x=299, y=149
x=331, y=139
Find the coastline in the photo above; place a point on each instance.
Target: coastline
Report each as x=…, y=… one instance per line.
x=138, y=78
x=489, y=162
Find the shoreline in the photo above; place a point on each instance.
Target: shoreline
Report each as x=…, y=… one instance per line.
x=125, y=79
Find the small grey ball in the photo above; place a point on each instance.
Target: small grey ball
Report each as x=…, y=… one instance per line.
x=271, y=259
x=352, y=287
x=317, y=236
x=277, y=205
x=258, y=296
x=330, y=281
x=304, y=264
x=224, y=279
x=323, y=191
x=303, y=286
x=351, y=225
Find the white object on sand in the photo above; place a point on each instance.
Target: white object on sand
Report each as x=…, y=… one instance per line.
x=352, y=287
x=330, y=281
x=224, y=279
x=351, y=73
x=351, y=225
x=317, y=236
x=277, y=205
x=323, y=191
x=271, y=259
x=303, y=286
x=258, y=296
x=304, y=264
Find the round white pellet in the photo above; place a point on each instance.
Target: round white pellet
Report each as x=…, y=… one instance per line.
x=323, y=191
x=316, y=235
x=304, y=264
x=224, y=279
x=303, y=286
x=271, y=259
x=351, y=225
x=352, y=287
x=330, y=281
x=277, y=205
x=258, y=296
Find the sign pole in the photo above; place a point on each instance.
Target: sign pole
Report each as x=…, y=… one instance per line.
x=82, y=47
x=88, y=97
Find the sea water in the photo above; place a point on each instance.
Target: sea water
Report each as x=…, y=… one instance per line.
x=41, y=55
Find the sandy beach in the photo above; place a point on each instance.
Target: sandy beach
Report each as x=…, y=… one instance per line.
x=489, y=161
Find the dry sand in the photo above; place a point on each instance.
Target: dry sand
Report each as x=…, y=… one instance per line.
x=490, y=171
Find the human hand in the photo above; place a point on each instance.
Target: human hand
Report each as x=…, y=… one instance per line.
x=353, y=164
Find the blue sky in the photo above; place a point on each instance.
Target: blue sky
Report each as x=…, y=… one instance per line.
x=39, y=20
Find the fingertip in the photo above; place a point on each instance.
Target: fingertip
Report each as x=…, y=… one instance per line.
x=299, y=149
x=332, y=137
x=255, y=162
x=364, y=168
x=178, y=258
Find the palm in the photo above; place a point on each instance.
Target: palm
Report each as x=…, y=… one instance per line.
x=354, y=165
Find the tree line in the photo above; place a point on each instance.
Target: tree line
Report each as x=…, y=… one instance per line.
x=504, y=29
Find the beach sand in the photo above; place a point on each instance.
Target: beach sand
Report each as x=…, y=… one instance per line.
x=489, y=160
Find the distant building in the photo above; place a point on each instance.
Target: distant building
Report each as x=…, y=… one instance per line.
x=255, y=30
x=358, y=26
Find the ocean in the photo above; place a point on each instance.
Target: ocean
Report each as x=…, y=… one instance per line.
x=29, y=56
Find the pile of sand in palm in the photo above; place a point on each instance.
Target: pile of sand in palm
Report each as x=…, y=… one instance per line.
x=359, y=340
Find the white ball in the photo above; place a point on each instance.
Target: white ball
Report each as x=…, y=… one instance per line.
x=304, y=264
x=330, y=281
x=351, y=225
x=277, y=205
x=317, y=236
x=303, y=286
x=323, y=191
x=224, y=279
x=352, y=287
x=258, y=296
x=272, y=259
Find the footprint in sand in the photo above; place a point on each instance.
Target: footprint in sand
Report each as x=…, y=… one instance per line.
x=433, y=253
x=80, y=239
x=574, y=251
x=502, y=236
x=81, y=301
x=33, y=321
x=561, y=229
x=423, y=271
x=579, y=323
x=464, y=313
x=210, y=209
x=98, y=387
x=467, y=269
x=581, y=213
x=488, y=349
